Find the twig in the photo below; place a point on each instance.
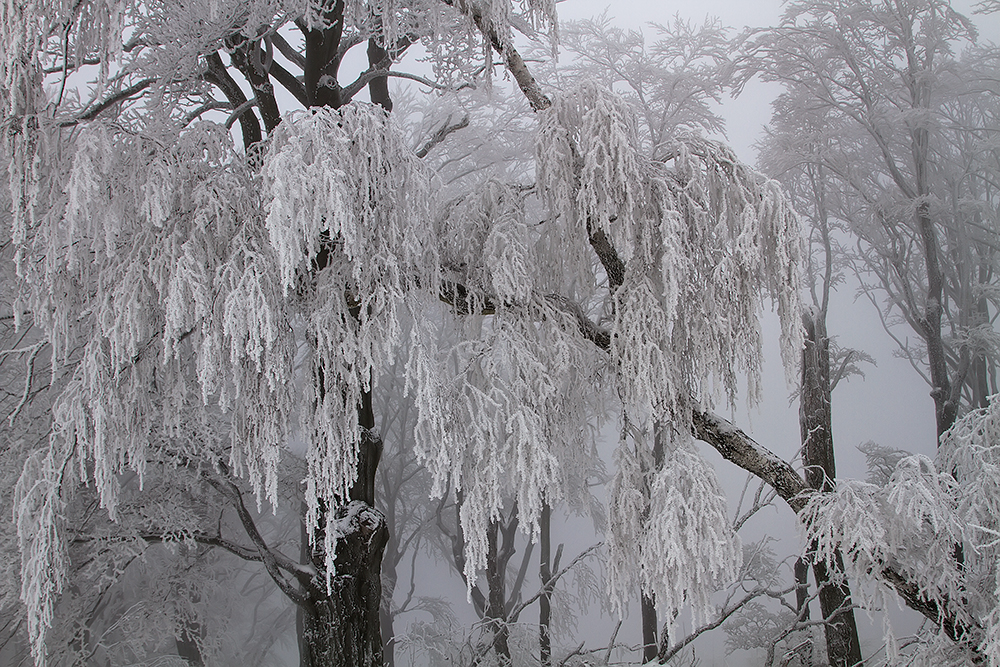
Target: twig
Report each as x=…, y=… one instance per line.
x=120, y=96
x=204, y=108
x=583, y=554
x=32, y=352
x=442, y=133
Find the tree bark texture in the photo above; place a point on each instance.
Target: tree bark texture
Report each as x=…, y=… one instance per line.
x=650, y=648
x=496, y=612
x=342, y=628
x=545, y=574
x=815, y=421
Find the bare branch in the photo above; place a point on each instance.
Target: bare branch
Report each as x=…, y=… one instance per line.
x=512, y=618
x=120, y=96
x=441, y=134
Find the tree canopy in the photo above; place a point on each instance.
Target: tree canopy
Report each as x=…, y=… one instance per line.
x=212, y=298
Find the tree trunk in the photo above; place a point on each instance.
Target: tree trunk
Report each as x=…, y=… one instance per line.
x=187, y=645
x=815, y=421
x=650, y=647
x=647, y=603
x=802, y=589
x=342, y=628
x=496, y=613
x=545, y=574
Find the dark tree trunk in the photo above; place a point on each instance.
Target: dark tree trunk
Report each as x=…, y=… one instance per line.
x=187, y=645
x=650, y=647
x=496, y=612
x=647, y=603
x=378, y=88
x=802, y=589
x=815, y=421
x=342, y=628
x=545, y=574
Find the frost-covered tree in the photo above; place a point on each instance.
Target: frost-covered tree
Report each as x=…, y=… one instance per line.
x=215, y=300
x=905, y=142
x=907, y=528
x=882, y=138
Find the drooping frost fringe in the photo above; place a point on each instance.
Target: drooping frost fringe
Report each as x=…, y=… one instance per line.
x=166, y=267
x=915, y=521
x=345, y=186
x=701, y=237
x=513, y=420
x=669, y=530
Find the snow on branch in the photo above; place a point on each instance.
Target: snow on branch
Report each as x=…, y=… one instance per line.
x=689, y=245
x=911, y=532
x=700, y=237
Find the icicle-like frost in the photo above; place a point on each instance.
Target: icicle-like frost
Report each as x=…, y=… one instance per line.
x=513, y=422
x=485, y=239
x=344, y=184
x=38, y=506
x=912, y=524
x=671, y=536
x=969, y=449
x=701, y=237
x=39, y=502
x=589, y=167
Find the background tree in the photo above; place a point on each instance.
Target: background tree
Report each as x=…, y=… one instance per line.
x=790, y=153
x=888, y=86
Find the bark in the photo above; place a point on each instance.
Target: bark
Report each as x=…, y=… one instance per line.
x=187, y=646
x=650, y=648
x=378, y=88
x=647, y=603
x=496, y=612
x=545, y=575
x=802, y=589
x=815, y=421
x=340, y=624
x=342, y=627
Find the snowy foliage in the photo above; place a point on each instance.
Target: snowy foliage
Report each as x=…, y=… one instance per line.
x=172, y=244
x=701, y=237
x=210, y=305
x=915, y=520
x=669, y=530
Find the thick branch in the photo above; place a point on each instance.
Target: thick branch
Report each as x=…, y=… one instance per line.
x=739, y=448
x=274, y=561
x=289, y=82
x=441, y=134
x=287, y=50
x=511, y=58
x=217, y=75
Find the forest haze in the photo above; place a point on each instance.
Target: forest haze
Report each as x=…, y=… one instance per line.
x=370, y=332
